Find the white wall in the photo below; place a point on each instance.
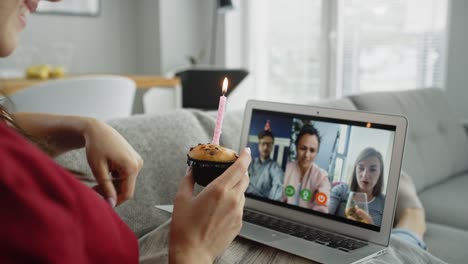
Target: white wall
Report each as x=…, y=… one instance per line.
x=148, y=38
x=457, y=60
x=185, y=30
x=236, y=23
x=144, y=37
x=101, y=44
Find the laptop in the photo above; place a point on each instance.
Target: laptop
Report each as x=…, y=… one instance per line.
x=312, y=219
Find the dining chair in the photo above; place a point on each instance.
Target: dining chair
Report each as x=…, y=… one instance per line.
x=159, y=100
x=101, y=96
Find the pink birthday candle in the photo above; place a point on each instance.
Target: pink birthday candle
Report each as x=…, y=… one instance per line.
x=220, y=117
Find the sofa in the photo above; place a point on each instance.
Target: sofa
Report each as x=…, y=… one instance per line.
x=436, y=157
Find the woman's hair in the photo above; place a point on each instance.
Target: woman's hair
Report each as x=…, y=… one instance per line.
x=308, y=130
x=367, y=153
x=7, y=119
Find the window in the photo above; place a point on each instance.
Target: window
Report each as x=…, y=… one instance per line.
x=302, y=50
x=284, y=47
x=338, y=171
x=390, y=44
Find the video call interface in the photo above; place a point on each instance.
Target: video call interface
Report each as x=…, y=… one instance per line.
x=336, y=169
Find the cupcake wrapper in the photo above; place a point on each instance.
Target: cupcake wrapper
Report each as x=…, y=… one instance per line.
x=205, y=172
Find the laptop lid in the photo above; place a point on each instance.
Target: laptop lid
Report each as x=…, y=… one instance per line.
x=349, y=144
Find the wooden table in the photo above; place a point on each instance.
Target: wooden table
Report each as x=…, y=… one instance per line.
x=11, y=86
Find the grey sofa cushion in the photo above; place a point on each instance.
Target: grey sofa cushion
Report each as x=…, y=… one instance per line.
x=445, y=203
x=447, y=243
x=437, y=145
x=342, y=103
x=465, y=124
x=163, y=141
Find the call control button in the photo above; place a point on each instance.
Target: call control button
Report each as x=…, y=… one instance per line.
x=321, y=198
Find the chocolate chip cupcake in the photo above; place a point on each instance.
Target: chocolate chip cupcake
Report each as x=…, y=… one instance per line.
x=208, y=161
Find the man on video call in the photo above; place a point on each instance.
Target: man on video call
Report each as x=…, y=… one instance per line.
x=266, y=176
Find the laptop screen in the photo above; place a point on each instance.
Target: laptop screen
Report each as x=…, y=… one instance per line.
x=336, y=169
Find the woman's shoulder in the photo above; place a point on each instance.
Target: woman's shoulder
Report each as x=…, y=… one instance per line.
x=341, y=189
x=380, y=198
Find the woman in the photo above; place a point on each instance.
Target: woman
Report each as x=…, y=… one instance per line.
x=304, y=181
x=50, y=217
x=368, y=178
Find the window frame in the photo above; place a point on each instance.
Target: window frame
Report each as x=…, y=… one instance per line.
x=331, y=76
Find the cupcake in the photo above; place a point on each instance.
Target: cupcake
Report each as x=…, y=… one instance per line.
x=208, y=161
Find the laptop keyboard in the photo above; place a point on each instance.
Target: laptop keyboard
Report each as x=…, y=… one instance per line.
x=345, y=244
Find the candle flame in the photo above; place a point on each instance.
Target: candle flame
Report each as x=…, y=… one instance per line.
x=225, y=85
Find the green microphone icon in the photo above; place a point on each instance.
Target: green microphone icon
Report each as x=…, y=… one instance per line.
x=306, y=194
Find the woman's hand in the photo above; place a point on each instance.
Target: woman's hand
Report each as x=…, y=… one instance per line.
x=114, y=163
x=361, y=214
x=203, y=226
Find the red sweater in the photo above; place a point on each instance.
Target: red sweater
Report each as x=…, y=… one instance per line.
x=48, y=216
